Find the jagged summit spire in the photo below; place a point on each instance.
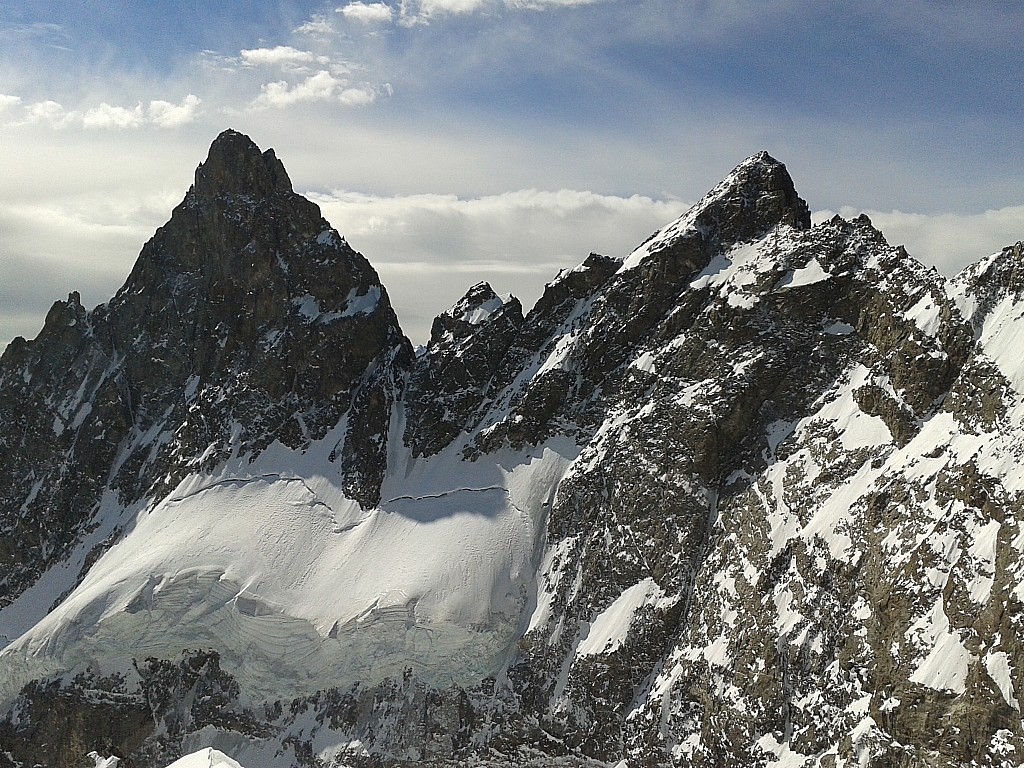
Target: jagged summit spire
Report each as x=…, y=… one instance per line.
x=755, y=197
x=759, y=190
x=235, y=165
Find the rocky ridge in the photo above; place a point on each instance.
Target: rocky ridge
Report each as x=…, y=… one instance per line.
x=762, y=479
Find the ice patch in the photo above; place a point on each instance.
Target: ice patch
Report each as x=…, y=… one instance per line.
x=784, y=756
x=925, y=315
x=945, y=667
x=248, y=561
x=479, y=314
x=611, y=627
x=327, y=237
x=1000, y=339
x=308, y=307
x=644, y=363
x=808, y=275
x=355, y=304
x=998, y=665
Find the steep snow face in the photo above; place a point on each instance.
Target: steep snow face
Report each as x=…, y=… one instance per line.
x=299, y=587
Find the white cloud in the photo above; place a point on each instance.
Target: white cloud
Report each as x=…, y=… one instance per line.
x=164, y=114
x=323, y=86
x=280, y=56
x=105, y=116
x=108, y=116
x=7, y=101
x=357, y=97
x=367, y=13
x=46, y=112
x=419, y=11
x=82, y=243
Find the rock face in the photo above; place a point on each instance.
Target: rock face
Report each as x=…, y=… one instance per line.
x=247, y=319
x=750, y=496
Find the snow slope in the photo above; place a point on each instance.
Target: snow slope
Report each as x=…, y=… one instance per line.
x=298, y=587
x=205, y=758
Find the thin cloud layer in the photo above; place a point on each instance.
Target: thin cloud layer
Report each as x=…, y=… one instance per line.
x=283, y=56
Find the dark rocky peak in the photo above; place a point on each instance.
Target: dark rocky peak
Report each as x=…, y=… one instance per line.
x=236, y=166
x=756, y=197
x=478, y=303
x=759, y=194
x=479, y=307
x=571, y=285
x=468, y=343
x=246, y=319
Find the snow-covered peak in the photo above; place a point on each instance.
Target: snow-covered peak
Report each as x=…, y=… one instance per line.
x=478, y=305
x=755, y=197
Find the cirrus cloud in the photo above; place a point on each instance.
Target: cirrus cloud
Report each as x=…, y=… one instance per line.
x=318, y=26
x=540, y=5
x=518, y=241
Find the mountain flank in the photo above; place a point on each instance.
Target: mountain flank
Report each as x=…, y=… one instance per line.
x=749, y=496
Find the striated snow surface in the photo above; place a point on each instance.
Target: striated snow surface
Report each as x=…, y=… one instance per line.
x=298, y=587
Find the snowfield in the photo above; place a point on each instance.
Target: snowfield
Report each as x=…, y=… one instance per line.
x=300, y=588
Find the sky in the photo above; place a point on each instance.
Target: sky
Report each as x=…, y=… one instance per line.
x=454, y=141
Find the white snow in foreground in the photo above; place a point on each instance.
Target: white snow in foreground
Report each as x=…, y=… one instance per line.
x=946, y=664
x=1000, y=339
x=645, y=363
x=784, y=756
x=998, y=665
x=945, y=668
x=103, y=762
x=925, y=315
x=205, y=758
x=269, y=562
